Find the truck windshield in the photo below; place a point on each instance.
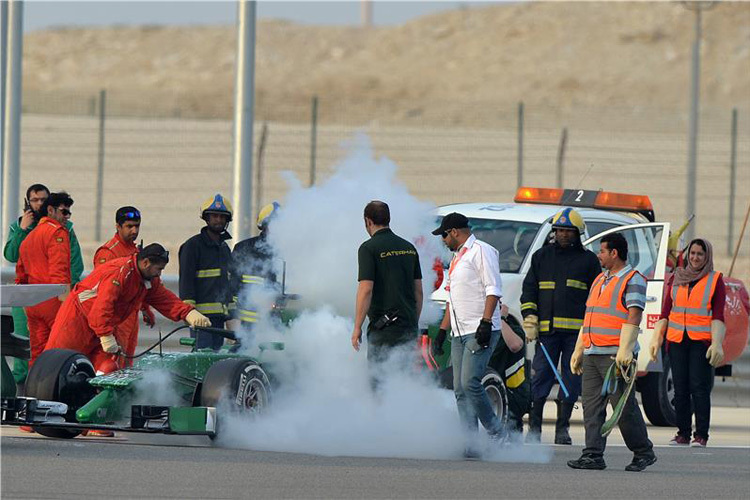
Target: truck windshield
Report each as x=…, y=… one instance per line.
x=512, y=239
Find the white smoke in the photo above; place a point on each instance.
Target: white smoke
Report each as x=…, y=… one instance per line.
x=319, y=228
x=323, y=402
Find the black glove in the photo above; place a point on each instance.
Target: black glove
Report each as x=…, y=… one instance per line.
x=484, y=333
x=437, y=345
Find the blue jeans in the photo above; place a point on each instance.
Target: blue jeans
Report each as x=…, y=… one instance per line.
x=469, y=366
x=560, y=346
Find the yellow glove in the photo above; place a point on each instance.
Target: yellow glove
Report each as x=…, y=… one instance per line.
x=628, y=338
x=109, y=344
x=715, y=353
x=531, y=327
x=194, y=318
x=657, y=338
x=576, y=360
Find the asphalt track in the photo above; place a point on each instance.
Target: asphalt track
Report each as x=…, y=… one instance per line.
x=142, y=466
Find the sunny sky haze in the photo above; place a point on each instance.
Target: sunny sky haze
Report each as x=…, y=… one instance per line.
x=45, y=14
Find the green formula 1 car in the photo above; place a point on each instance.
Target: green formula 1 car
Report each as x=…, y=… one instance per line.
x=64, y=396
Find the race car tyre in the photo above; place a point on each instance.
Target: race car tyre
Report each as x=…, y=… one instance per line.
x=61, y=375
x=495, y=389
x=657, y=395
x=236, y=386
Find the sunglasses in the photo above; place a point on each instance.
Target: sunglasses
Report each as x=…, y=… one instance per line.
x=65, y=211
x=131, y=215
x=445, y=234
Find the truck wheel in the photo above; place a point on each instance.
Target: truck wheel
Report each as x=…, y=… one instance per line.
x=61, y=375
x=657, y=396
x=237, y=386
x=495, y=388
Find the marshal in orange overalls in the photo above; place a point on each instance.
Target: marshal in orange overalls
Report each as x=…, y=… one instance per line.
x=128, y=329
x=108, y=296
x=43, y=258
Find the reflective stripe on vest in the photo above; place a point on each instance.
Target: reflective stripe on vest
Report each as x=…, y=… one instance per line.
x=691, y=309
x=208, y=273
x=605, y=312
x=252, y=279
x=247, y=315
x=211, y=308
x=577, y=284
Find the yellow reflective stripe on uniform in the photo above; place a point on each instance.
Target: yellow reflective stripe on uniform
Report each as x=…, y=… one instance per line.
x=528, y=305
x=546, y=285
x=210, y=308
x=577, y=284
x=208, y=273
x=189, y=302
x=252, y=279
x=516, y=379
x=247, y=316
x=569, y=323
x=231, y=306
x=544, y=326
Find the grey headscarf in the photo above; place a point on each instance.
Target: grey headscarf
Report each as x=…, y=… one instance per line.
x=688, y=274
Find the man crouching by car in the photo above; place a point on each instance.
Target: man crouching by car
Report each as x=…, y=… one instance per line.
x=88, y=319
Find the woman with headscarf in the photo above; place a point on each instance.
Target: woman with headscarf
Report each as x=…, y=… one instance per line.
x=693, y=318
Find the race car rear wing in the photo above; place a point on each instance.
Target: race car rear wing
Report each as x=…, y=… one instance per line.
x=602, y=200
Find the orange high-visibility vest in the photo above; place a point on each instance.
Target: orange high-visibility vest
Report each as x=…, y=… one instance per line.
x=691, y=309
x=605, y=313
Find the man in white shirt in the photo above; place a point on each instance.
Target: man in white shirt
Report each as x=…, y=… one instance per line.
x=473, y=315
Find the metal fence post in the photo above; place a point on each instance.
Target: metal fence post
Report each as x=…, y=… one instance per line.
x=259, y=169
x=100, y=166
x=519, y=153
x=313, y=139
x=11, y=161
x=732, y=181
x=561, y=156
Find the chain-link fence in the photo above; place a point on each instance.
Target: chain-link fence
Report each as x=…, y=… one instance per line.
x=166, y=156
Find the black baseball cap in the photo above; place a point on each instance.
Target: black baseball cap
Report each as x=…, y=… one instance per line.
x=452, y=221
x=127, y=213
x=154, y=252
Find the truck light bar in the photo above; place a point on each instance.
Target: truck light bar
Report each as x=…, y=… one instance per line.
x=603, y=200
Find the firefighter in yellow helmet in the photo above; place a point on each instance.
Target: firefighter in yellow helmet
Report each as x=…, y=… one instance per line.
x=253, y=268
x=553, y=303
x=204, y=270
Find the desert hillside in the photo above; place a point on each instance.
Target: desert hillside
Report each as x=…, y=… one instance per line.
x=554, y=53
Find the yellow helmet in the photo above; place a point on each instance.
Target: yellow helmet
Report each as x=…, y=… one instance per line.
x=216, y=205
x=567, y=218
x=266, y=214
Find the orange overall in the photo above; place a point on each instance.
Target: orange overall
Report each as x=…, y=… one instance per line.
x=43, y=258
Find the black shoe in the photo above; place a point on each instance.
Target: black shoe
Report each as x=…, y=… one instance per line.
x=638, y=464
x=588, y=462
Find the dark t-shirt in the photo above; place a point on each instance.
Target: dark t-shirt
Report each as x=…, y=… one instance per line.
x=392, y=264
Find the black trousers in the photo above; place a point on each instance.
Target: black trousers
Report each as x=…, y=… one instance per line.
x=693, y=380
x=205, y=340
x=381, y=344
x=631, y=424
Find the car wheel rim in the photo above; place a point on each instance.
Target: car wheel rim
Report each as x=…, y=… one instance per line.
x=495, y=399
x=255, y=396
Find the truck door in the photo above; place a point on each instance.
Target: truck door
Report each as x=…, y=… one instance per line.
x=647, y=253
